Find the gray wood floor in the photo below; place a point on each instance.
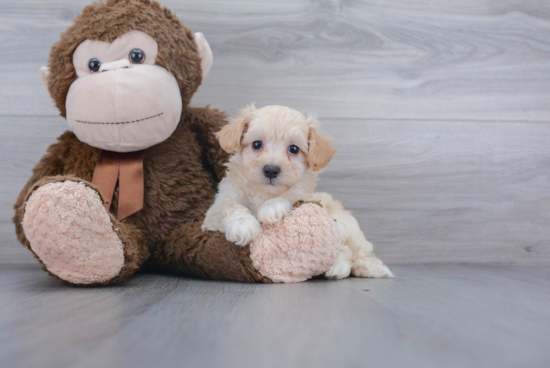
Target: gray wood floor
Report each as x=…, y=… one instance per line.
x=428, y=316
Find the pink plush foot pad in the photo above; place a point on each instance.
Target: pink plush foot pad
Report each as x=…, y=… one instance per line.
x=71, y=232
x=302, y=245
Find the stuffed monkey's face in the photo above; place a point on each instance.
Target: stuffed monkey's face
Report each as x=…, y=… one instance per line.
x=121, y=101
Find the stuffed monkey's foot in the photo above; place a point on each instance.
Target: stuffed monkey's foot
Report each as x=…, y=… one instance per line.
x=302, y=245
x=70, y=231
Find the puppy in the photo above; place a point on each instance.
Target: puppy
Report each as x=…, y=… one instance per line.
x=278, y=154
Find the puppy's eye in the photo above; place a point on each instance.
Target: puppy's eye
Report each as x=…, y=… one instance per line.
x=293, y=149
x=257, y=145
x=137, y=56
x=94, y=65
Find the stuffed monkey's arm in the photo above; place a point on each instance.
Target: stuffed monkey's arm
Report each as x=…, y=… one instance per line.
x=205, y=123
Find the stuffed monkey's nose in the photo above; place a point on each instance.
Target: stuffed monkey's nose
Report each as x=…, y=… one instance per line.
x=113, y=65
x=271, y=171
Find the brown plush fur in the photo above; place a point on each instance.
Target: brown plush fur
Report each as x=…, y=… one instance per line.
x=181, y=173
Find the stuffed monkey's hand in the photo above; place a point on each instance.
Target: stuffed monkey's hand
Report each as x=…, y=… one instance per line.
x=241, y=227
x=274, y=210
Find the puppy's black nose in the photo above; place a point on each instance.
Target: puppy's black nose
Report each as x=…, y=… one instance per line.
x=271, y=171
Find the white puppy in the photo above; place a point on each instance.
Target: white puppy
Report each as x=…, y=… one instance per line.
x=278, y=155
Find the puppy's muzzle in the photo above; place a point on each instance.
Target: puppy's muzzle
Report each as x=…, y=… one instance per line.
x=271, y=171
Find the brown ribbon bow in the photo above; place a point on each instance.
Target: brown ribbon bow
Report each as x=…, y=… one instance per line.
x=127, y=168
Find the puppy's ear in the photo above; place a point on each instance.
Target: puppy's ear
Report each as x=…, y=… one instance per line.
x=231, y=134
x=320, y=150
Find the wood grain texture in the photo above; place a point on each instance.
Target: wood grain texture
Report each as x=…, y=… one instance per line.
x=356, y=59
x=423, y=191
x=429, y=316
x=427, y=191
x=440, y=110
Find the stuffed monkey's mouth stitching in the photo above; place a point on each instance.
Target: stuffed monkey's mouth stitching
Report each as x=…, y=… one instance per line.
x=118, y=123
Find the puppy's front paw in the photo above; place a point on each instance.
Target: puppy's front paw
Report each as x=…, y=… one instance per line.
x=274, y=210
x=339, y=270
x=242, y=230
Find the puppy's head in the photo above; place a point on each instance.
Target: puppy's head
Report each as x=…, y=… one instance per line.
x=277, y=145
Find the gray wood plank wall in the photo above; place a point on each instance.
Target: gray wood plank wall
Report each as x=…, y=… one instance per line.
x=440, y=110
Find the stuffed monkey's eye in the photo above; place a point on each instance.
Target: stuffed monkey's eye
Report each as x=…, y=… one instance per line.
x=257, y=145
x=293, y=149
x=94, y=65
x=137, y=56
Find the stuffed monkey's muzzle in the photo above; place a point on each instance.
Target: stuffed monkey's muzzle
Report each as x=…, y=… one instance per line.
x=124, y=107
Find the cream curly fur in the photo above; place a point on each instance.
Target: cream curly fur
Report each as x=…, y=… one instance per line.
x=246, y=197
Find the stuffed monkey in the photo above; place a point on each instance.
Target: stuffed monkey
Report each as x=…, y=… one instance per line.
x=127, y=188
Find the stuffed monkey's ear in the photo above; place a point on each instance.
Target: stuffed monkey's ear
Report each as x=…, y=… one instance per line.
x=45, y=76
x=320, y=150
x=205, y=53
x=231, y=134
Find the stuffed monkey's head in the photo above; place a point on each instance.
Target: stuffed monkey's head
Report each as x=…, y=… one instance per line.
x=123, y=73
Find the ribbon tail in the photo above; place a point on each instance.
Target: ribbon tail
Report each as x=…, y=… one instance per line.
x=130, y=184
x=106, y=175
